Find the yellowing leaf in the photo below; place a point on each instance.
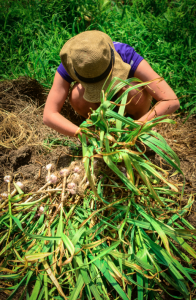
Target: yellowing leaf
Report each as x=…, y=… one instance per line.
x=53, y=278
x=37, y=256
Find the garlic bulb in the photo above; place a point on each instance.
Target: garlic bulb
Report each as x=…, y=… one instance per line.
x=71, y=185
x=4, y=195
x=20, y=185
x=75, y=176
x=73, y=192
x=41, y=208
x=7, y=178
x=64, y=172
x=52, y=179
x=123, y=170
x=49, y=167
x=77, y=169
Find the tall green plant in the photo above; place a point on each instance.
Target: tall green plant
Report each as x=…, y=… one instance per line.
x=118, y=139
x=123, y=140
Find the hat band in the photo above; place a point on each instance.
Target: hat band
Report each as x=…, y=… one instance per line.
x=100, y=77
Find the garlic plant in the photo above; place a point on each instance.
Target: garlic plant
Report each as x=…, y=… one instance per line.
x=109, y=227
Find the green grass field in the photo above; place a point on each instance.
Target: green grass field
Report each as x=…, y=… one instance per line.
x=163, y=32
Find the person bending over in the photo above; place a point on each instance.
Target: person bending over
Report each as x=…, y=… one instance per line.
x=88, y=58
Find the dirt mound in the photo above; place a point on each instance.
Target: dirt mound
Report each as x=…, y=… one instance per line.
x=182, y=140
x=24, y=89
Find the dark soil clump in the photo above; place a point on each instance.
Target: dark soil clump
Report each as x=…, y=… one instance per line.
x=20, y=157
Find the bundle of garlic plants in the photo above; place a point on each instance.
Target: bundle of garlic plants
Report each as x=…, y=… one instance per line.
x=146, y=234
x=118, y=239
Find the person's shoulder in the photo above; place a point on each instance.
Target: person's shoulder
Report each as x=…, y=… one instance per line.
x=124, y=50
x=128, y=55
x=122, y=47
x=61, y=70
x=118, y=43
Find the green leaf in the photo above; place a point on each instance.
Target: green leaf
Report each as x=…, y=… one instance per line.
x=18, y=189
x=18, y=286
x=17, y=222
x=77, y=288
x=68, y=244
x=103, y=267
x=37, y=287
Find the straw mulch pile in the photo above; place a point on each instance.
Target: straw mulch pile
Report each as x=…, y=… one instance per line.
x=22, y=132
x=21, y=109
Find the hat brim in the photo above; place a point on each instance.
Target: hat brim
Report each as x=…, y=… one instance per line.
x=93, y=90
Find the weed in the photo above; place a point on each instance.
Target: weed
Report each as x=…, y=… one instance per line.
x=52, y=142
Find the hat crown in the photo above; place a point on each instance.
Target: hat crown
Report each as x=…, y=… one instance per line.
x=87, y=58
x=90, y=55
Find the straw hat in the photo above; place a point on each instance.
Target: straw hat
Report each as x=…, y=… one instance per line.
x=88, y=58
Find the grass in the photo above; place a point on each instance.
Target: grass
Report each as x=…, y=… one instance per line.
x=34, y=31
x=52, y=142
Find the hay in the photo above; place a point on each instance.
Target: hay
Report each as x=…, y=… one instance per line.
x=14, y=131
x=21, y=110
x=181, y=137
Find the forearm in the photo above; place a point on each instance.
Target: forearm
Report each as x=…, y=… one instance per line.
x=162, y=108
x=56, y=98
x=167, y=100
x=57, y=122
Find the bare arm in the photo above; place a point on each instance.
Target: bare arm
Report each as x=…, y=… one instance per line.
x=54, y=103
x=159, y=90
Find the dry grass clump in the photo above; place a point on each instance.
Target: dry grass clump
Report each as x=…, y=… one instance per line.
x=181, y=137
x=21, y=110
x=14, y=131
x=20, y=113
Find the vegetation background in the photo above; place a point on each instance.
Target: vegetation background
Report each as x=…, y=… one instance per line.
x=162, y=31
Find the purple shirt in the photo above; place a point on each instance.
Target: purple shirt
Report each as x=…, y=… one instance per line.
x=127, y=54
